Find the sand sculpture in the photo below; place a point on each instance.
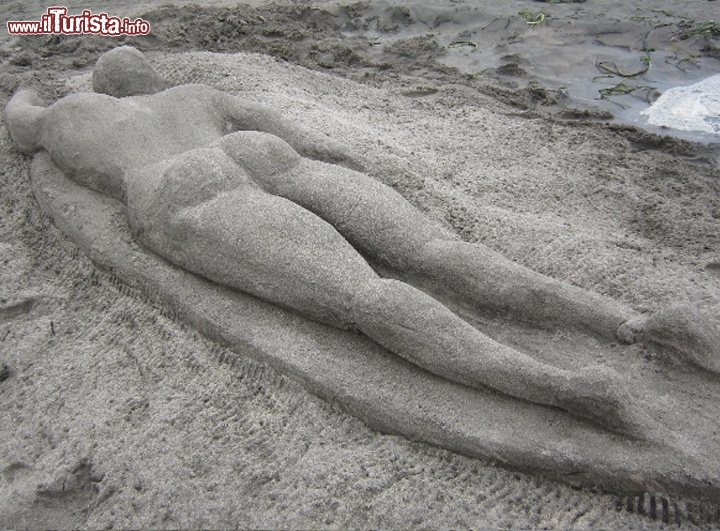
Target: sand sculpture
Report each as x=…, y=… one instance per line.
x=233, y=192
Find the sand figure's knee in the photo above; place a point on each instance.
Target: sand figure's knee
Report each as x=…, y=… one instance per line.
x=125, y=71
x=420, y=329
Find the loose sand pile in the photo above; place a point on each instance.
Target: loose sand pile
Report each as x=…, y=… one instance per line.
x=114, y=414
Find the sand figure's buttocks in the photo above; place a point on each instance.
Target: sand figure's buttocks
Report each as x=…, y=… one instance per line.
x=233, y=192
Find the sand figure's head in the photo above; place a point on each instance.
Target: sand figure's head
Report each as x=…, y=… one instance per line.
x=124, y=71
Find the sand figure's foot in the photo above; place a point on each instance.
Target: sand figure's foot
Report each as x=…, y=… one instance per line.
x=690, y=335
x=630, y=330
x=598, y=394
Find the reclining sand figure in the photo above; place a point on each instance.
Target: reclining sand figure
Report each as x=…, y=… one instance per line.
x=233, y=192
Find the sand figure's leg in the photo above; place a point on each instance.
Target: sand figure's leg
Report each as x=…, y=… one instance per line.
x=503, y=285
x=420, y=329
x=381, y=223
x=278, y=251
x=384, y=225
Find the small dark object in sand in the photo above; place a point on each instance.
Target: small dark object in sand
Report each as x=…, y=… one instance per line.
x=22, y=59
x=4, y=372
x=510, y=69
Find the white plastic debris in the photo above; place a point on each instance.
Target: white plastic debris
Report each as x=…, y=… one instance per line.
x=690, y=108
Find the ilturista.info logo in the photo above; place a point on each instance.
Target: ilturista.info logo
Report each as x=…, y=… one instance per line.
x=57, y=22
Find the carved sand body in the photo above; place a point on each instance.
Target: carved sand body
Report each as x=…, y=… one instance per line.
x=250, y=210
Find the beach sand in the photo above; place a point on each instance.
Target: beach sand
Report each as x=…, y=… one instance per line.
x=115, y=414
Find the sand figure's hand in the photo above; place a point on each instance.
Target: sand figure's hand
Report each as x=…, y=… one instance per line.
x=30, y=96
x=22, y=114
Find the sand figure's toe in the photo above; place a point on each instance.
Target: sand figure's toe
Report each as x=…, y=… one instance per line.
x=691, y=335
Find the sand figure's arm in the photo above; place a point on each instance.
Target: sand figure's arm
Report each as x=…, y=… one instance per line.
x=23, y=118
x=250, y=116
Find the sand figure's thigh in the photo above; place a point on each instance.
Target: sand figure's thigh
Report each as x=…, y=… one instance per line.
x=376, y=219
x=372, y=216
x=271, y=248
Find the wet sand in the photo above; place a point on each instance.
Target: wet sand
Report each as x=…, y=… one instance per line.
x=118, y=415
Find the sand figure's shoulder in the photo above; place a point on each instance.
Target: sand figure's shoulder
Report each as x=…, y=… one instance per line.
x=85, y=99
x=194, y=90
